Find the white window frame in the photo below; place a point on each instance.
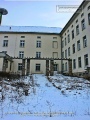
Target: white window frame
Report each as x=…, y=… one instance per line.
x=73, y=46
x=38, y=54
x=84, y=41
x=79, y=62
x=86, y=59
x=74, y=63
x=22, y=43
x=78, y=45
x=69, y=51
x=21, y=54
x=83, y=24
x=77, y=29
x=5, y=43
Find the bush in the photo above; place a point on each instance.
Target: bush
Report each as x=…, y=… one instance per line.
x=9, y=76
x=87, y=77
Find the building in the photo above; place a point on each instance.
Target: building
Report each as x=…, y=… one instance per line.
x=30, y=42
x=76, y=40
x=20, y=44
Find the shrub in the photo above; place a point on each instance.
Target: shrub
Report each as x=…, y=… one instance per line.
x=9, y=76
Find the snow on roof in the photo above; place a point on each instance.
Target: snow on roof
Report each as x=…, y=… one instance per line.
x=36, y=29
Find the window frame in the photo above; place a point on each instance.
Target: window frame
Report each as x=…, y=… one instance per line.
x=86, y=62
x=84, y=41
x=79, y=62
x=74, y=63
x=38, y=44
x=21, y=54
x=78, y=45
x=5, y=43
x=73, y=48
x=38, y=54
x=19, y=66
x=83, y=24
x=38, y=67
x=73, y=34
x=22, y=43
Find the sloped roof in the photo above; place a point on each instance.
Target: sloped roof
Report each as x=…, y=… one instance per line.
x=31, y=29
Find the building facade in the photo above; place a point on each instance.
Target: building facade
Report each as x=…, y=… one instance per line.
x=76, y=40
x=44, y=43
x=73, y=41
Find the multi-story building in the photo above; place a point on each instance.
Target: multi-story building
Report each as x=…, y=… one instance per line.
x=76, y=39
x=26, y=42
x=30, y=42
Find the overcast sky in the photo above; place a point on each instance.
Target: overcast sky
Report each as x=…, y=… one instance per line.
x=37, y=12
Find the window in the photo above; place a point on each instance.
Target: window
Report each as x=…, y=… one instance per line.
x=38, y=54
x=72, y=26
x=66, y=66
x=69, y=51
x=72, y=34
x=84, y=41
x=55, y=55
x=19, y=66
x=67, y=30
x=83, y=24
x=6, y=64
x=88, y=7
x=22, y=36
x=38, y=37
x=89, y=18
x=77, y=29
x=21, y=54
x=54, y=37
x=5, y=43
x=74, y=63
x=73, y=48
x=65, y=42
x=62, y=54
x=38, y=67
x=5, y=36
x=63, y=66
x=62, y=43
x=86, y=59
x=82, y=14
x=55, y=67
x=65, y=53
x=55, y=44
x=22, y=43
x=68, y=38
x=76, y=20
x=78, y=45
x=79, y=62
x=4, y=52
x=38, y=44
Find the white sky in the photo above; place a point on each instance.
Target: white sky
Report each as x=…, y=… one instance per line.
x=37, y=12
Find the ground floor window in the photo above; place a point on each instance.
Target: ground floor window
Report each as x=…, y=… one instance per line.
x=66, y=66
x=63, y=67
x=79, y=62
x=74, y=63
x=19, y=66
x=38, y=67
x=55, y=67
x=86, y=59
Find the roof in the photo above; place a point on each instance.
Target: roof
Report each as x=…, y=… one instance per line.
x=30, y=29
x=75, y=15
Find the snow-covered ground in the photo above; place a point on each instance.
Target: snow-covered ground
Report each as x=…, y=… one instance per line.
x=64, y=98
